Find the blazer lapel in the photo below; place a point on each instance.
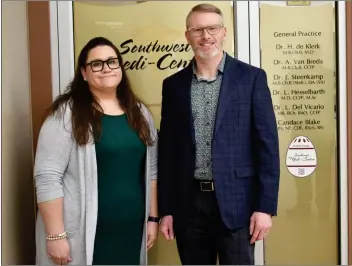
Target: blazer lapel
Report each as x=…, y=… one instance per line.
x=232, y=74
x=185, y=85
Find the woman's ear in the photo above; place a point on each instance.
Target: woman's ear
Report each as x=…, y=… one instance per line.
x=84, y=74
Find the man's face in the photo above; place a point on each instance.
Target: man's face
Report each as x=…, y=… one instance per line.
x=206, y=34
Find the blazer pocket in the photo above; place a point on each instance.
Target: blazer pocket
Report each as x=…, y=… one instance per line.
x=244, y=172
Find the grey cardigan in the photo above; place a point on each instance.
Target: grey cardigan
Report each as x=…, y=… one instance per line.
x=65, y=169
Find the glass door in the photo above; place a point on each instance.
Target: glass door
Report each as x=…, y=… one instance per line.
x=296, y=43
x=150, y=36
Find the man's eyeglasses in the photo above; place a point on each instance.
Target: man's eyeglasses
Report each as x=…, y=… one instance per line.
x=98, y=65
x=212, y=30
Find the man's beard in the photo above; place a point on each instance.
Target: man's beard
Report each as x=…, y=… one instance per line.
x=207, y=55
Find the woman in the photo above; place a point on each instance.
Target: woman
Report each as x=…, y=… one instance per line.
x=96, y=168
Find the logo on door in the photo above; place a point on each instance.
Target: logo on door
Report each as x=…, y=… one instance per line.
x=301, y=157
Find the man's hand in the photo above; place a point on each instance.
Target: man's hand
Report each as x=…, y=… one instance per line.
x=259, y=226
x=167, y=227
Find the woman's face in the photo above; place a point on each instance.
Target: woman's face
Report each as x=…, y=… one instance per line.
x=102, y=71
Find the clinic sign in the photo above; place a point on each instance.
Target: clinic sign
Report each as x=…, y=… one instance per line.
x=165, y=61
x=298, y=58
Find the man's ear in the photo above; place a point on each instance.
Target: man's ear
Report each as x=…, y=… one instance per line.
x=225, y=33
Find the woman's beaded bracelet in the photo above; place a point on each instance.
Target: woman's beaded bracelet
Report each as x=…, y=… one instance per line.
x=51, y=237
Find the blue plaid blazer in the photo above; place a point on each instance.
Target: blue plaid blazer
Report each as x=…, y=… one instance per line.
x=245, y=148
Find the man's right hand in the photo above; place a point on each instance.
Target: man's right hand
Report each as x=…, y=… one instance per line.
x=167, y=227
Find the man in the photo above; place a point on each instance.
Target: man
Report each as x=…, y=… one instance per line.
x=218, y=151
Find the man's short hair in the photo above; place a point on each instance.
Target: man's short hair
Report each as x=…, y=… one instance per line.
x=203, y=8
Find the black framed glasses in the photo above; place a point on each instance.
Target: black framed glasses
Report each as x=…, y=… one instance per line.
x=198, y=31
x=98, y=65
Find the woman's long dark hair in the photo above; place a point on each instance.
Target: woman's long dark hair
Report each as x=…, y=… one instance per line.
x=86, y=110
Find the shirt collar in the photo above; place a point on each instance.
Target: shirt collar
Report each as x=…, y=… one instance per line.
x=220, y=67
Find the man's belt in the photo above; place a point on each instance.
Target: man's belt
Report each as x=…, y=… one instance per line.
x=206, y=186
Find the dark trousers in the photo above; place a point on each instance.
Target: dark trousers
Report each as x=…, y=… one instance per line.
x=205, y=237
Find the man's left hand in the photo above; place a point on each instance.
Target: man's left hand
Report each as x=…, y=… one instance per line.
x=259, y=226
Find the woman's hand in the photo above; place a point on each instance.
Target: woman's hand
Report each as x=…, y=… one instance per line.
x=152, y=233
x=59, y=251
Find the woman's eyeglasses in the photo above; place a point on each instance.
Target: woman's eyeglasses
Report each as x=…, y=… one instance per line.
x=98, y=65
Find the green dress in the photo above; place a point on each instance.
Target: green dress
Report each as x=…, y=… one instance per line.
x=121, y=193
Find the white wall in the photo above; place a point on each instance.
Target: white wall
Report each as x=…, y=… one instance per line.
x=17, y=183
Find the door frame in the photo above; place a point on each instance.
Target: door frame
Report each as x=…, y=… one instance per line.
x=63, y=58
x=349, y=121
x=62, y=45
x=255, y=59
